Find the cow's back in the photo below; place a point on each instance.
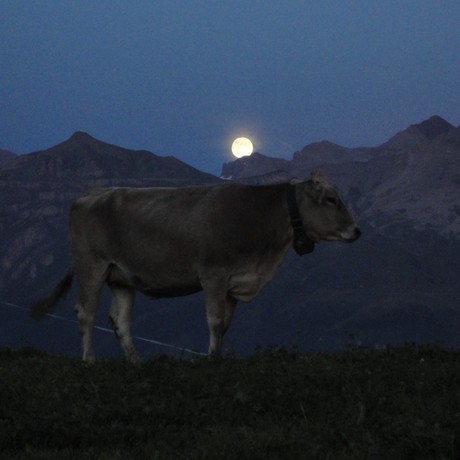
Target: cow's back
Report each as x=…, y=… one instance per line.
x=161, y=238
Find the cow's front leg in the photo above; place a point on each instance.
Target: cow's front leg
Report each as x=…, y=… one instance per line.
x=219, y=312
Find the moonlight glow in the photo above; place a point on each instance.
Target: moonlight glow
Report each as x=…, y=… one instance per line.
x=242, y=147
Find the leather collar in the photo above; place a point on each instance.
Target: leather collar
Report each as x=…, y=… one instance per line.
x=301, y=243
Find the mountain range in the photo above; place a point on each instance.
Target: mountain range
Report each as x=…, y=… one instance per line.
x=398, y=283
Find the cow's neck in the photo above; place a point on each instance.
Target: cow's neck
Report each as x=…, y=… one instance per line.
x=302, y=244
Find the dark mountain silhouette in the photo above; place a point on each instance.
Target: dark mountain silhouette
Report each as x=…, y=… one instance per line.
x=397, y=283
x=85, y=161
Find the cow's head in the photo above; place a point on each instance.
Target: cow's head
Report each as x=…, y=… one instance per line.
x=325, y=217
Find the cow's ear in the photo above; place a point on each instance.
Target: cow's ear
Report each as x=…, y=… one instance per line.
x=316, y=186
x=319, y=178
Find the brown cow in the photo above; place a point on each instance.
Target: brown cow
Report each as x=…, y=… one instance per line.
x=227, y=240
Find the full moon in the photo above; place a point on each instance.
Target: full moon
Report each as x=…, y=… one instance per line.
x=242, y=147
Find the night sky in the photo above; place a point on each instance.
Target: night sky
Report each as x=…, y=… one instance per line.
x=185, y=77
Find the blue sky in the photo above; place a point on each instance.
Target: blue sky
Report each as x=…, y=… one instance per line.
x=186, y=77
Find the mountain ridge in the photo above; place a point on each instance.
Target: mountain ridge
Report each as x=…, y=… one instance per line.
x=83, y=158
x=326, y=152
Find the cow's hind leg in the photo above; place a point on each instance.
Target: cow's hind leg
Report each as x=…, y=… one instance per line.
x=120, y=317
x=219, y=312
x=89, y=288
x=85, y=309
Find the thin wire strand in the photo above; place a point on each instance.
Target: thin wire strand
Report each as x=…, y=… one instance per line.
x=104, y=329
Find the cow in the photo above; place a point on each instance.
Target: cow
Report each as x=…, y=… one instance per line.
x=227, y=240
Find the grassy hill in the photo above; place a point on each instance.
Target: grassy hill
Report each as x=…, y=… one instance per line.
x=401, y=403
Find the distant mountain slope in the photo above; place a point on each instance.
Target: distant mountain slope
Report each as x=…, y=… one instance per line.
x=5, y=157
x=417, y=189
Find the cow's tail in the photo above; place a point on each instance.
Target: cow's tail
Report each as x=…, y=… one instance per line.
x=46, y=305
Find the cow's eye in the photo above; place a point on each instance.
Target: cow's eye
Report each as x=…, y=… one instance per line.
x=332, y=200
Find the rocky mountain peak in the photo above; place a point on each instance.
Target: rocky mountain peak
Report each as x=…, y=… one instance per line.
x=82, y=141
x=434, y=127
x=417, y=135
x=81, y=135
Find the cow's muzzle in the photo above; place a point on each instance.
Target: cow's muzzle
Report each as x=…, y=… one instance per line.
x=351, y=234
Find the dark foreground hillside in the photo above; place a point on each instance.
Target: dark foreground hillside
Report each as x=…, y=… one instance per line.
x=401, y=403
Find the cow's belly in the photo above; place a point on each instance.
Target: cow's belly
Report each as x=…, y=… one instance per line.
x=170, y=286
